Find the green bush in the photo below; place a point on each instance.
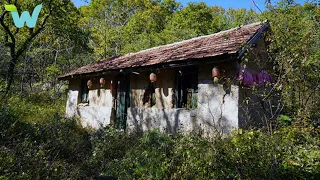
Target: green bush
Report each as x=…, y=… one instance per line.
x=36, y=107
x=109, y=146
x=58, y=148
x=287, y=153
x=55, y=149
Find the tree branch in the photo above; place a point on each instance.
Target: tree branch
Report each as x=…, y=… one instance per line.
x=34, y=34
x=254, y=3
x=7, y=30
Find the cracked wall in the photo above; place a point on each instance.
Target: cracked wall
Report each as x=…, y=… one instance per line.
x=218, y=102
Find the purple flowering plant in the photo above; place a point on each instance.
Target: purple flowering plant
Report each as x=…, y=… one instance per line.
x=250, y=79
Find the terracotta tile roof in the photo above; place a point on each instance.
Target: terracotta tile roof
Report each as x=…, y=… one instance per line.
x=229, y=41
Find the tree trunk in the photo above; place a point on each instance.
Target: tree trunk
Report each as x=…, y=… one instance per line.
x=10, y=74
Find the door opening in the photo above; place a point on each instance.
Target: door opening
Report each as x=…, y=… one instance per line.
x=121, y=101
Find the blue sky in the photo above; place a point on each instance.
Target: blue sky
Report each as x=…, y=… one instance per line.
x=224, y=3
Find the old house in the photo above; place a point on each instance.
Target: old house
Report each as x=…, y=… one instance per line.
x=190, y=85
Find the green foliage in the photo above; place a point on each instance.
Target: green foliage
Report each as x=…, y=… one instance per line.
x=60, y=148
x=36, y=142
x=293, y=47
x=195, y=17
x=56, y=45
x=52, y=70
x=36, y=107
x=122, y=26
x=108, y=147
x=283, y=119
x=30, y=150
x=287, y=153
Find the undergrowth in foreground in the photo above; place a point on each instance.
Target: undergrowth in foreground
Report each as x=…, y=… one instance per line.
x=62, y=149
x=58, y=148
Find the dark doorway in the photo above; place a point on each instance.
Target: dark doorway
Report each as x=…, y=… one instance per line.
x=121, y=101
x=186, y=87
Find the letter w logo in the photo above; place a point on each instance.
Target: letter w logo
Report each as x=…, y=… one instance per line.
x=25, y=16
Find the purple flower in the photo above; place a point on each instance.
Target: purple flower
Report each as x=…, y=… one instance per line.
x=249, y=79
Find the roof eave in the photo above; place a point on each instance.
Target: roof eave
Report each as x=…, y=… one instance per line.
x=176, y=64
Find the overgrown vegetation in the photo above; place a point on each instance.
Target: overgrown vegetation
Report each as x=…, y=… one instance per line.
x=37, y=142
x=60, y=148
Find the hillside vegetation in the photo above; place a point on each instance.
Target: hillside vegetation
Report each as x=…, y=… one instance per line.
x=37, y=142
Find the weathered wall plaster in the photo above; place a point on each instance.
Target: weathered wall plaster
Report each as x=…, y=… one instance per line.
x=94, y=116
x=100, y=95
x=73, y=97
x=217, y=104
x=217, y=108
x=97, y=112
x=216, y=111
x=72, y=102
x=166, y=120
x=163, y=89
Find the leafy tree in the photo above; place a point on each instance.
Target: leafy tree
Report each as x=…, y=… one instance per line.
x=32, y=50
x=198, y=19
x=17, y=40
x=294, y=48
x=116, y=25
x=105, y=21
x=146, y=26
x=191, y=21
x=238, y=17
